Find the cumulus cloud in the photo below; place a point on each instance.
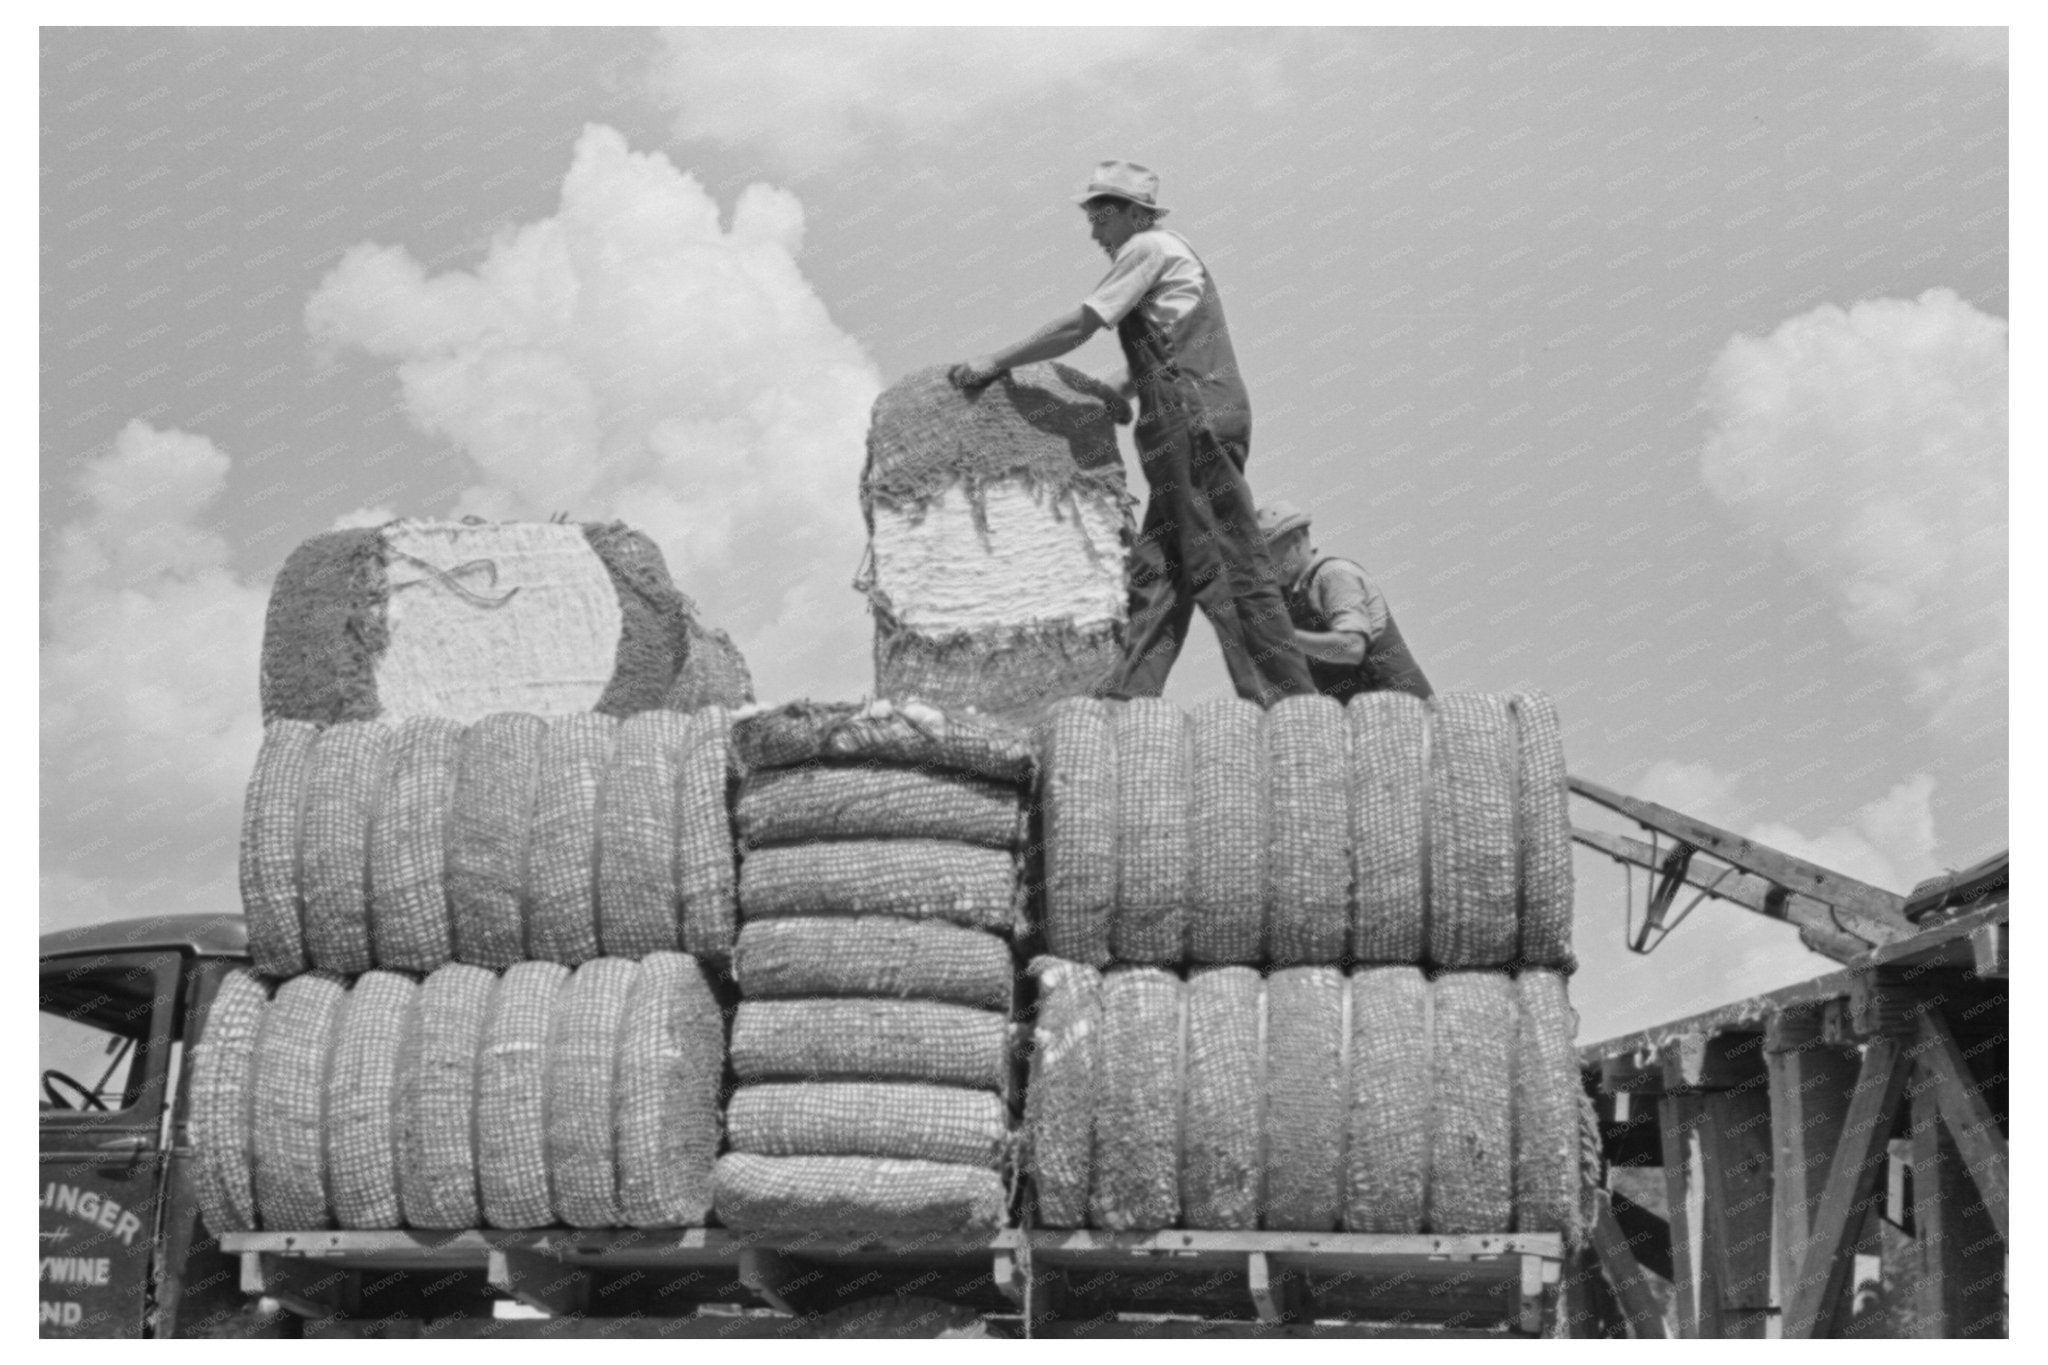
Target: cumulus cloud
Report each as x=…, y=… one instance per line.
x=634, y=357
x=1977, y=47
x=1871, y=443
x=149, y=713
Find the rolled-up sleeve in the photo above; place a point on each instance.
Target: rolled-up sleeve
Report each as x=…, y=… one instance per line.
x=1136, y=269
x=1347, y=599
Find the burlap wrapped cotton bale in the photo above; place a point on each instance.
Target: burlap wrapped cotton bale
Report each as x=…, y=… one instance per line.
x=1308, y=1086
x=437, y=1078
x=706, y=878
x=855, y=1196
x=1547, y=1100
x=1078, y=802
x=883, y=732
x=1153, y=790
x=636, y=822
x=1387, y=1150
x=671, y=1064
x=223, y=1123
x=273, y=812
x=410, y=927
x=289, y=1084
x=1389, y=789
x=714, y=673
x=863, y=801
x=908, y=878
x=1061, y=1095
x=363, y=1128
x=1227, y=832
x=1308, y=872
x=342, y=786
x=1141, y=1091
x=561, y=864
x=490, y=823
x=1222, y=1151
x=583, y=1048
x=999, y=527
x=873, y=955
x=1472, y=1096
x=870, y=1040
x=856, y=1118
x=667, y=656
x=1472, y=833
x=461, y=619
x=1546, y=834
x=511, y=1097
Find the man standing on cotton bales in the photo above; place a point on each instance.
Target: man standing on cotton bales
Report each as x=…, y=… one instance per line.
x=1340, y=619
x=1200, y=544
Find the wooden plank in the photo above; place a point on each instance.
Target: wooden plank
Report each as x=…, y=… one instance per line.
x=1950, y=890
x=306, y=1289
x=1735, y=1251
x=1630, y=1282
x=1942, y=943
x=1816, y=1296
x=1719, y=1061
x=538, y=1281
x=1266, y=1297
x=1753, y=1012
x=1867, y=902
x=769, y=1274
x=1960, y=1285
x=1685, y=1207
x=1811, y=1082
x=1970, y=1120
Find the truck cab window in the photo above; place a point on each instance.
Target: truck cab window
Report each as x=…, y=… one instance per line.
x=93, y=1033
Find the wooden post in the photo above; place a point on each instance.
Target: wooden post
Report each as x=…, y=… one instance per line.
x=1736, y=1160
x=1816, y=1297
x=1811, y=1081
x=1685, y=1193
x=1631, y=1283
x=1971, y=1124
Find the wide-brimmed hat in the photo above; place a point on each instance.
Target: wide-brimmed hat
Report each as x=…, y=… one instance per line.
x=1125, y=180
x=1276, y=519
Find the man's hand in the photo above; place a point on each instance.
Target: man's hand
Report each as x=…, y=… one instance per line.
x=1119, y=409
x=970, y=377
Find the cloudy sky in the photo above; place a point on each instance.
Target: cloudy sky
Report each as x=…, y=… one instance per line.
x=1664, y=370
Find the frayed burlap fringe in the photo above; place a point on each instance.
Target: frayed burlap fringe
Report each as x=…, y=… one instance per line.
x=1012, y=672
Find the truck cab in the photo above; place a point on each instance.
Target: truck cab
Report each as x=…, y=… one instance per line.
x=123, y=1250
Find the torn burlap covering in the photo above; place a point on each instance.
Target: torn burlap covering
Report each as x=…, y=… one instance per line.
x=670, y=1069
x=497, y=778
x=909, y=878
x=873, y=955
x=342, y=786
x=1227, y=835
x=883, y=732
x=1011, y=672
x=1547, y=1096
x=1307, y=1073
x=1308, y=873
x=1389, y=784
x=1222, y=1151
x=273, y=814
x=1472, y=1119
x=1546, y=835
x=1078, y=802
x=1141, y=1090
x=1472, y=833
x=289, y=1083
x=324, y=629
x=561, y=863
x=857, y=1118
x=1153, y=793
x=871, y=1040
x=855, y=1196
x=871, y=801
x=223, y=1123
x=363, y=1082
x=1044, y=425
x=659, y=632
x=410, y=926
x=636, y=823
x=1061, y=1096
x=511, y=1097
x=1387, y=1155
x=437, y=1100
x=714, y=673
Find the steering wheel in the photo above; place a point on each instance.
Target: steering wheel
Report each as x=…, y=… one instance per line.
x=53, y=1079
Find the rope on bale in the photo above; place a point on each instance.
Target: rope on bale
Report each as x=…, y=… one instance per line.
x=1137, y=1125
x=511, y=1098
x=1472, y=833
x=1471, y=1182
x=497, y=777
x=1388, y=788
x=1061, y=1098
x=1387, y=1154
x=1220, y=1162
x=583, y=1045
x=224, y=1102
x=341, y=796
x=1546, y=848
x=636, y=818
x=1308, y=877
x=855, y=1196
x=273, y=815
x=1305, y=1094
x=362, y=1099
x=671, y=1065
x=1151, y=740
x=561, y=870
x=289, y=1081
x=410, y=927
x=1078, y=801
x=1227, y=832
x=437, y=1076
x=873, y=955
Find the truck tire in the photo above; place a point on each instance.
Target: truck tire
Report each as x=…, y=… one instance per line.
x=902, y=1319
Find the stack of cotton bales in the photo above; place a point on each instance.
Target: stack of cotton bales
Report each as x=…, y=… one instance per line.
x=1400, y=873
x=879, y=889
x=999, y=528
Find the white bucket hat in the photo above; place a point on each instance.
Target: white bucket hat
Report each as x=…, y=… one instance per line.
x=1125, y=180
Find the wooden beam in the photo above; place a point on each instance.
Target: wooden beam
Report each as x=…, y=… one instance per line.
x=1960, y=1286
x=1628, y=1279
x=1970, y=1120
x=1685, y=1194
x=1816, y=1296
x=770, y=1275
x=1719, y=1061
x=1270, y=1298
x=1868, y=903
x=537, y=1280
x=1735, y=1250
x=1811, y=1082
